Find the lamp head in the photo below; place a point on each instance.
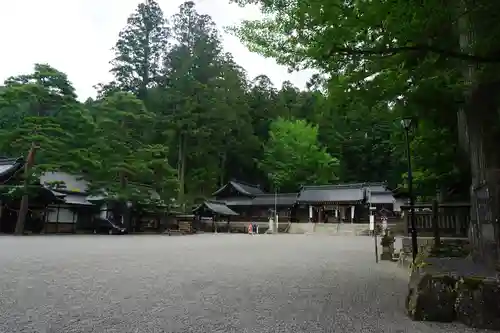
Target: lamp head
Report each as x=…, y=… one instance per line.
x=406, y=122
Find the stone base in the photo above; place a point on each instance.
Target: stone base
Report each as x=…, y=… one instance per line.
x=445, y=289
x=386, y=256
x=431, y=297
x=404, y=260
x=478, y=303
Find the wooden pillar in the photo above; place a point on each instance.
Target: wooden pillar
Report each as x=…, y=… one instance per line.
x=1, y=213
x=435, y=223
x=74, y=221
x=45, y=218
x=57, y=219
x=456, y=220
x=408, y=226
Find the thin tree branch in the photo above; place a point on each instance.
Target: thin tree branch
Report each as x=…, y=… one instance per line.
x=391, y=51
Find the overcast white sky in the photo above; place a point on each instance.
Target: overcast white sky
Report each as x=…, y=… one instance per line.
x=75, y=36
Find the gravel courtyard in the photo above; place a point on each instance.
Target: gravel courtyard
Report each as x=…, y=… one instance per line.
x=202, y=283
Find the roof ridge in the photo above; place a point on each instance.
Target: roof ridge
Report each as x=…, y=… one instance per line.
x=242, y=182
x=215, y=201
x=10, y=160
x=368, y=184
x=330, y=186
x=273, y=194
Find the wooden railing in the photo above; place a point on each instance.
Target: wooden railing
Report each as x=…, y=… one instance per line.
x=450, y=219
x=448, y=224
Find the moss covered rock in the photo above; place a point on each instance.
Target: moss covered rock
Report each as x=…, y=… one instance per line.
x=431, y=295
x=446, y=285
x=478, y=302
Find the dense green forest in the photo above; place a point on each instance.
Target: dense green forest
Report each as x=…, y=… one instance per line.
x=182, y=116
x=434, y=60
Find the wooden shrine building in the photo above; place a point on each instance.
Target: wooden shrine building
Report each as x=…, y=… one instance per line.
x=324, y=203
x=215, y=209
x=332, y=203
x=343, y=202
x=12, y=189
x=62, y=203
x=381, y=198
x=251, y=203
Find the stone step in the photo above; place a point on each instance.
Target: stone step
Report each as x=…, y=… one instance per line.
x=345, y=229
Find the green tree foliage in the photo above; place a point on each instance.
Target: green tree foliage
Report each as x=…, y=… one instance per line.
x=293, y=156
x=41, y=108
x=182, y=116
x=125, y=158
x=191, y=69
x=375, y=73
x=139, y=50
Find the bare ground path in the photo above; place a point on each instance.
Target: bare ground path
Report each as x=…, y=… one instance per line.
x=205, y=283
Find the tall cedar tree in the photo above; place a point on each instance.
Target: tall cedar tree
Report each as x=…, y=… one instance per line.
x=139, y=49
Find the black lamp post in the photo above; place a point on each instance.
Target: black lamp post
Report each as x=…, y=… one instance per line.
x=407, y=123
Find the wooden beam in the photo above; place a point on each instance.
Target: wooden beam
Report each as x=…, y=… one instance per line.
x=57, y=219
x=441, y=205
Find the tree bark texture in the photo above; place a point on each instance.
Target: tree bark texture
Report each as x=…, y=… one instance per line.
x=23, y=207
x=476, y=120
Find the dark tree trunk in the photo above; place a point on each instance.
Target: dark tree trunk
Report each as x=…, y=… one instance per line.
x=23, y=207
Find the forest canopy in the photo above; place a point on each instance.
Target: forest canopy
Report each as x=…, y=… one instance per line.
x=183, y=117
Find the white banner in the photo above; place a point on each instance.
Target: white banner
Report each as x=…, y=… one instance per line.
x=372, y=222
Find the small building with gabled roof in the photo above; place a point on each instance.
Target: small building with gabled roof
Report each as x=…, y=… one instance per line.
x=251, y=203
x=238, y=188
x=215, y=208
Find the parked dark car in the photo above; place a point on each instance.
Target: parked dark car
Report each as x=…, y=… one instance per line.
x=104, y=226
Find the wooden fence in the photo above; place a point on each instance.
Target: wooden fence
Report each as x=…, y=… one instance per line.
x=446, y=219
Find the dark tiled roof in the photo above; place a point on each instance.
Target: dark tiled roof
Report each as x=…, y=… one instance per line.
x=8, y=166
x=332, y=193
x=218, y=208
x=246, y=188
x=378, y=193
x=73, y=199
x=381, y=198
x=242, y=188
x=238, y=201
x=376, y=187
x=282, y=199
x=11, y=161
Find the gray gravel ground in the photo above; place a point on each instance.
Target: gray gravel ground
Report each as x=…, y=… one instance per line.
x=203, y=283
